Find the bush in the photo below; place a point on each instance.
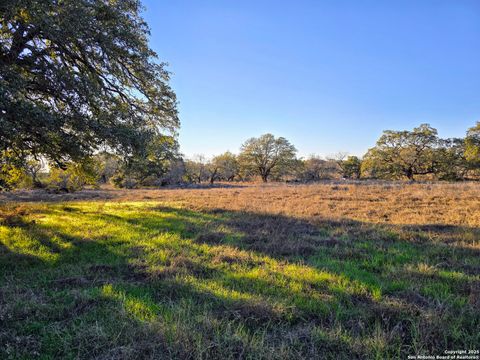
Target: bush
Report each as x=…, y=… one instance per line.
x=10, y=177
x=11, y=171
x=73, y=178
x=122, y=180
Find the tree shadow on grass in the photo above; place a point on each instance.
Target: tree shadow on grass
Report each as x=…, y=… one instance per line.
x=90, y=284
x=237, y=285
x=415, y=265
x=42, y=195
x=420, y=271
x=218, y=185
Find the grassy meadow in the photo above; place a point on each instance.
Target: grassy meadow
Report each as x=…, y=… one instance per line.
x=334, y=271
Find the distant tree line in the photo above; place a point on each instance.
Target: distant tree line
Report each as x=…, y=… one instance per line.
x=397, y=155
x=411, y=155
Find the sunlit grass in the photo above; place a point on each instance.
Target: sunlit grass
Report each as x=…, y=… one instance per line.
x=134, y=303
x=155, y=278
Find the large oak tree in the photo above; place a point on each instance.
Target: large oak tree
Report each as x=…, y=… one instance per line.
x=267, y=154
x=79, y=75
x=404, y=153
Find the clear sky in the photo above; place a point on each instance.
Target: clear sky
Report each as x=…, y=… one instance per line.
x=329, y=75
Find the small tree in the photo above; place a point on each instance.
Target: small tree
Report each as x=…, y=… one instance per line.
x=107, y=165
x=74, y=177
x=351, y=167
x=315, y=169
x=227, y=164
x=176, y=173
x=212, y=169
x=264, y=155
x=33, y=168
x=196, y=169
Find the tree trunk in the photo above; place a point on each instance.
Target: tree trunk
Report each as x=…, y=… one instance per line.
x=37, y=184
x=213, y=176
x=409, y=174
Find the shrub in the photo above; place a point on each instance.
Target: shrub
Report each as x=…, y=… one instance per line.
x=73, y=178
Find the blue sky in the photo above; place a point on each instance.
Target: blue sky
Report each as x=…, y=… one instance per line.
x=329, y=75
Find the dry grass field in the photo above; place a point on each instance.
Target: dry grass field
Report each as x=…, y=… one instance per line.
x=333, y=270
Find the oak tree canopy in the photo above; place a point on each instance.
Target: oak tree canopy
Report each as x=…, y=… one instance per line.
x=79, y=75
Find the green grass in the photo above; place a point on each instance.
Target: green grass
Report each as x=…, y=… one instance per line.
x=157, y=280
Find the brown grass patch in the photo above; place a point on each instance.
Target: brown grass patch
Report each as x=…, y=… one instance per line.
x=229, y=255
x=395, y=203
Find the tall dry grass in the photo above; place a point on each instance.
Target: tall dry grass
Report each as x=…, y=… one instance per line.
x=392, y=203
x=395, y=203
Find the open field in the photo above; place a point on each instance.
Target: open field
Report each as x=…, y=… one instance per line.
x=241, y=271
